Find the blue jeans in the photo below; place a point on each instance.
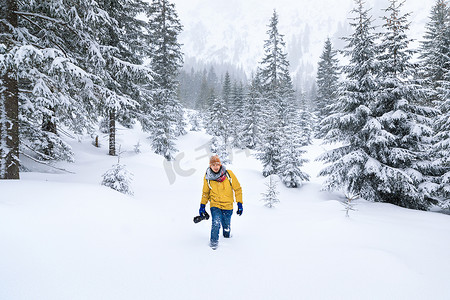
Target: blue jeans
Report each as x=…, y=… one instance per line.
x=220, y=217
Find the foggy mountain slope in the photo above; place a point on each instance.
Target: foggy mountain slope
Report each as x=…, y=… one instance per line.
x=234, y=31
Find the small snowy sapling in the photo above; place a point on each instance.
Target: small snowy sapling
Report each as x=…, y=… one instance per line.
x=118, y=178
x=270, y=197
x=137, y=147
x=349, y=204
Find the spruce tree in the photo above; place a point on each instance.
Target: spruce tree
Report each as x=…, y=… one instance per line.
x=305, y=122
x=384, y=134
x=75, y=59
x=435, y=53
x=218, y=125
x=166, y=60
x=252, y=121
x=53, y=86
x=327, y=82
x=194, y=120
x=212, y=79
x=117, y=63
x=280, y=110
x=441, y=150
x=291, y=158
x=237, y=114
x=274, y=72
x=351, y=124
x=226, y=109
x=405, y=127
x=201, y=102
x=217, y=117
x=276, y=89
x=435, y=73
x=270, y=151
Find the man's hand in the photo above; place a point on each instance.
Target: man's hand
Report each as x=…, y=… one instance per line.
x=240, y=209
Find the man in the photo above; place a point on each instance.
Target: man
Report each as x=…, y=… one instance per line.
x=220, y=186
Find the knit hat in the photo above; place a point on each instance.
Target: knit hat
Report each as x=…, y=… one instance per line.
x=214, y=159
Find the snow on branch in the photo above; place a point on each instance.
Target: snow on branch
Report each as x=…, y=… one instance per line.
x=44, y=163
x=23, y=13
x=125, y=68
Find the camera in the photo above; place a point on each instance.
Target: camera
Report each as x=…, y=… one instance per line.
x=203, y=216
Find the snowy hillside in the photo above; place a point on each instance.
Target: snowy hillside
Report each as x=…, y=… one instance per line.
x=64, y=236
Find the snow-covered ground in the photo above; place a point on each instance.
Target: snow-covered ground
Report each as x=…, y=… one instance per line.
x=64, y=236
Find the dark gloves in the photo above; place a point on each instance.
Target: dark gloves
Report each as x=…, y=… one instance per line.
x=240, y=209
x=202, y=210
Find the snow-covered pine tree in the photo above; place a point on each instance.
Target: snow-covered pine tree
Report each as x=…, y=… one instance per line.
x=270, y=197
x=327, y=82
x=118, y=178
x=293, y=137
x=163, y=138
x=187, y=90
x=237, y=114
x=207, y=115
x=47, y=39
x=404, y=128
x=289, y=106
x=195, y=121
x=133, y=49
x=46, y=72
x=213, y=80
x=291, y=159
x=274, y=72
x=435, y=53
x=201, y=102
x=279, y=101
x=226, y=109
x=120, y=64
x=305, y=122
x=60, y=64
x=57, y=91
x=252, y=122
x=354, y=165
x=109, y=44
x=180, y=124
x=166, y=60
x=269, y=152
x=383, y=133
x=217, y=121
x=435, y=72
x=218, y=126
x=441, y=149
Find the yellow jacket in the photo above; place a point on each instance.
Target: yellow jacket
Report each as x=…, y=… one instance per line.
x=221, y=194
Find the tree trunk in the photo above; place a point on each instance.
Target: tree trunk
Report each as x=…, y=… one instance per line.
x=112, y=132
x=9, y=127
